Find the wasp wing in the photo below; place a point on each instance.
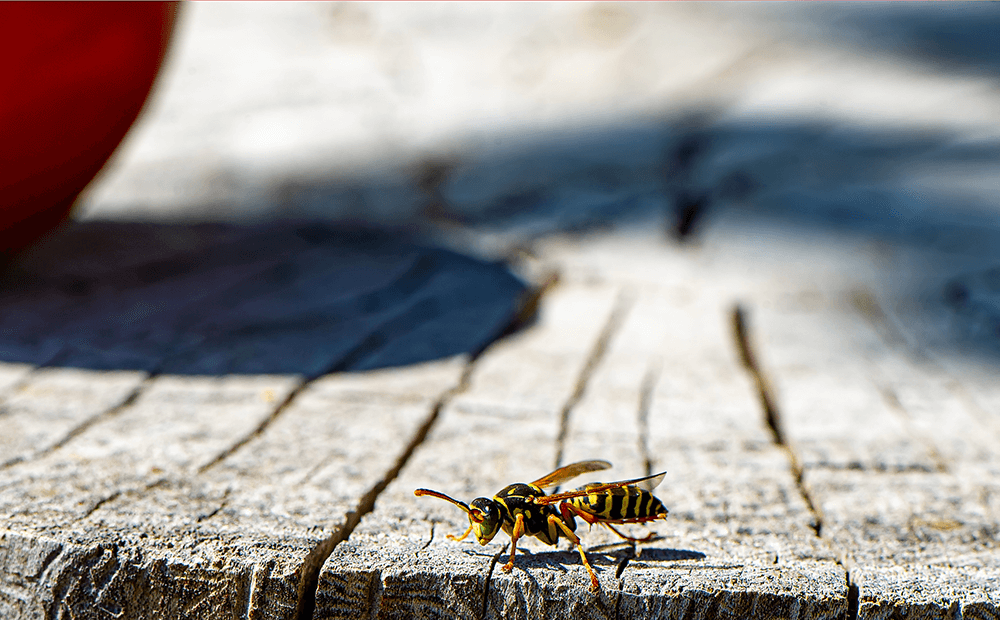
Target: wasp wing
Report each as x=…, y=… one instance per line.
x=569, y=471
x=646, y=483
x=649, y=482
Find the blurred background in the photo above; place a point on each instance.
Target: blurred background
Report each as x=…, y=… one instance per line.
x=476, y=129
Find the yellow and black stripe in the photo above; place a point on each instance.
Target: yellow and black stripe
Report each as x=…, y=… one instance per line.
x=628, y=504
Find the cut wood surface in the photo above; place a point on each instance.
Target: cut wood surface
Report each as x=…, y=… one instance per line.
x=900, y=470
x=662, y=389
x=398, y=563
x=144, y=500
x=736, y=224
x=819, y=463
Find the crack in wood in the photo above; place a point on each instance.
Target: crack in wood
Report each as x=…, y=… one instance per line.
x=489, y=578
x=313, y=562
x=217, y=509
x=748, y=357
x=649, y=381
x=629, y=554
x=891, y=399
x=772, y=415
x=255, y=577
x=259, y=430
x=626, y=558
x=97, y=505
x=431, y=538
x=527, y=304
x=895, y=337
x=888, y=327
x=868, y=306
x=853, y=597
x=379, y=336
x=46, y=562
x=623, y=304
x=383, y=334
x=77, y=430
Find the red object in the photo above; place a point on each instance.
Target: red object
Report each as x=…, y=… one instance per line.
x=73, y=77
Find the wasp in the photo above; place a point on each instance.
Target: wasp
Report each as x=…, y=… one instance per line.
x=526, y=510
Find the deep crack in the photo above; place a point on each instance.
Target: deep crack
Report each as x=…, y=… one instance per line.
x=97, y=505
x=623, y=304
x=772, y=414
x=313, y=563
x=853, y=598
x=430, y=539
x=259, y=430
x=489, y=578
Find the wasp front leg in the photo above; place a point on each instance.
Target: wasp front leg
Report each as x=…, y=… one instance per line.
x=515, y=533
x=462, y=537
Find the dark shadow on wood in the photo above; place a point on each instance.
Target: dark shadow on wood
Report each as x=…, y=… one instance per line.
x=668, y=555
x=557, y=560
x=287, y=298
x=765, y=178
x=311, y=297
x=958, y=36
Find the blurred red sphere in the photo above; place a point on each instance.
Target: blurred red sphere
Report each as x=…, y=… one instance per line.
x=73, y=77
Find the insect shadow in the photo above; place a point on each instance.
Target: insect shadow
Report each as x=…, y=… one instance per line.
x=606, y=555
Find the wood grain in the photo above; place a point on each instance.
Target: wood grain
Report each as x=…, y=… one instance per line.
x=125, y=517
x=899, y=467
x=398, y=563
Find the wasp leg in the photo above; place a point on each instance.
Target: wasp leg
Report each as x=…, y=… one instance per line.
x=567, y=508
x=462, y=537
x=646, y=538
x=594, y=584
x=515, y=533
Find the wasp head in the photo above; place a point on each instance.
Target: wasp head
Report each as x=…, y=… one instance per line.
x=484, y=514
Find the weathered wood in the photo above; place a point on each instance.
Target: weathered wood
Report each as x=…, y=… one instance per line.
x=394, y=564
x=129, y=491
x=501, y=429
x=898, y=449
x=739, y=536
x=207, y=495
x=126, y=517
x=44, y=408
x=898, y=466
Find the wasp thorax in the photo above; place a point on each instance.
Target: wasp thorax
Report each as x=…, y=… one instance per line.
x=485, y=517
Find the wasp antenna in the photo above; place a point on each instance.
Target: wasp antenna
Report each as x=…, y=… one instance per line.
x=462, y=505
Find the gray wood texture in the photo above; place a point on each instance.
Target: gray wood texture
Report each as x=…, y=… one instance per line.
x=229, y=420
x=902, y=472
x=139, y=516
x=162, y=492
x=663, y=389
x=869, y=491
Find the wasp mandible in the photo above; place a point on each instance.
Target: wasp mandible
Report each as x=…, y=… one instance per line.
x=525, y=510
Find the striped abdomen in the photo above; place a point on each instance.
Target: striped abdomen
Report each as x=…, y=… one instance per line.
x=628, y=504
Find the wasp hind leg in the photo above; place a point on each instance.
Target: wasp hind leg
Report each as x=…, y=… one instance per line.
x=594, y=584
x=462, y=537
x=515, y=533
x=646, y=538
